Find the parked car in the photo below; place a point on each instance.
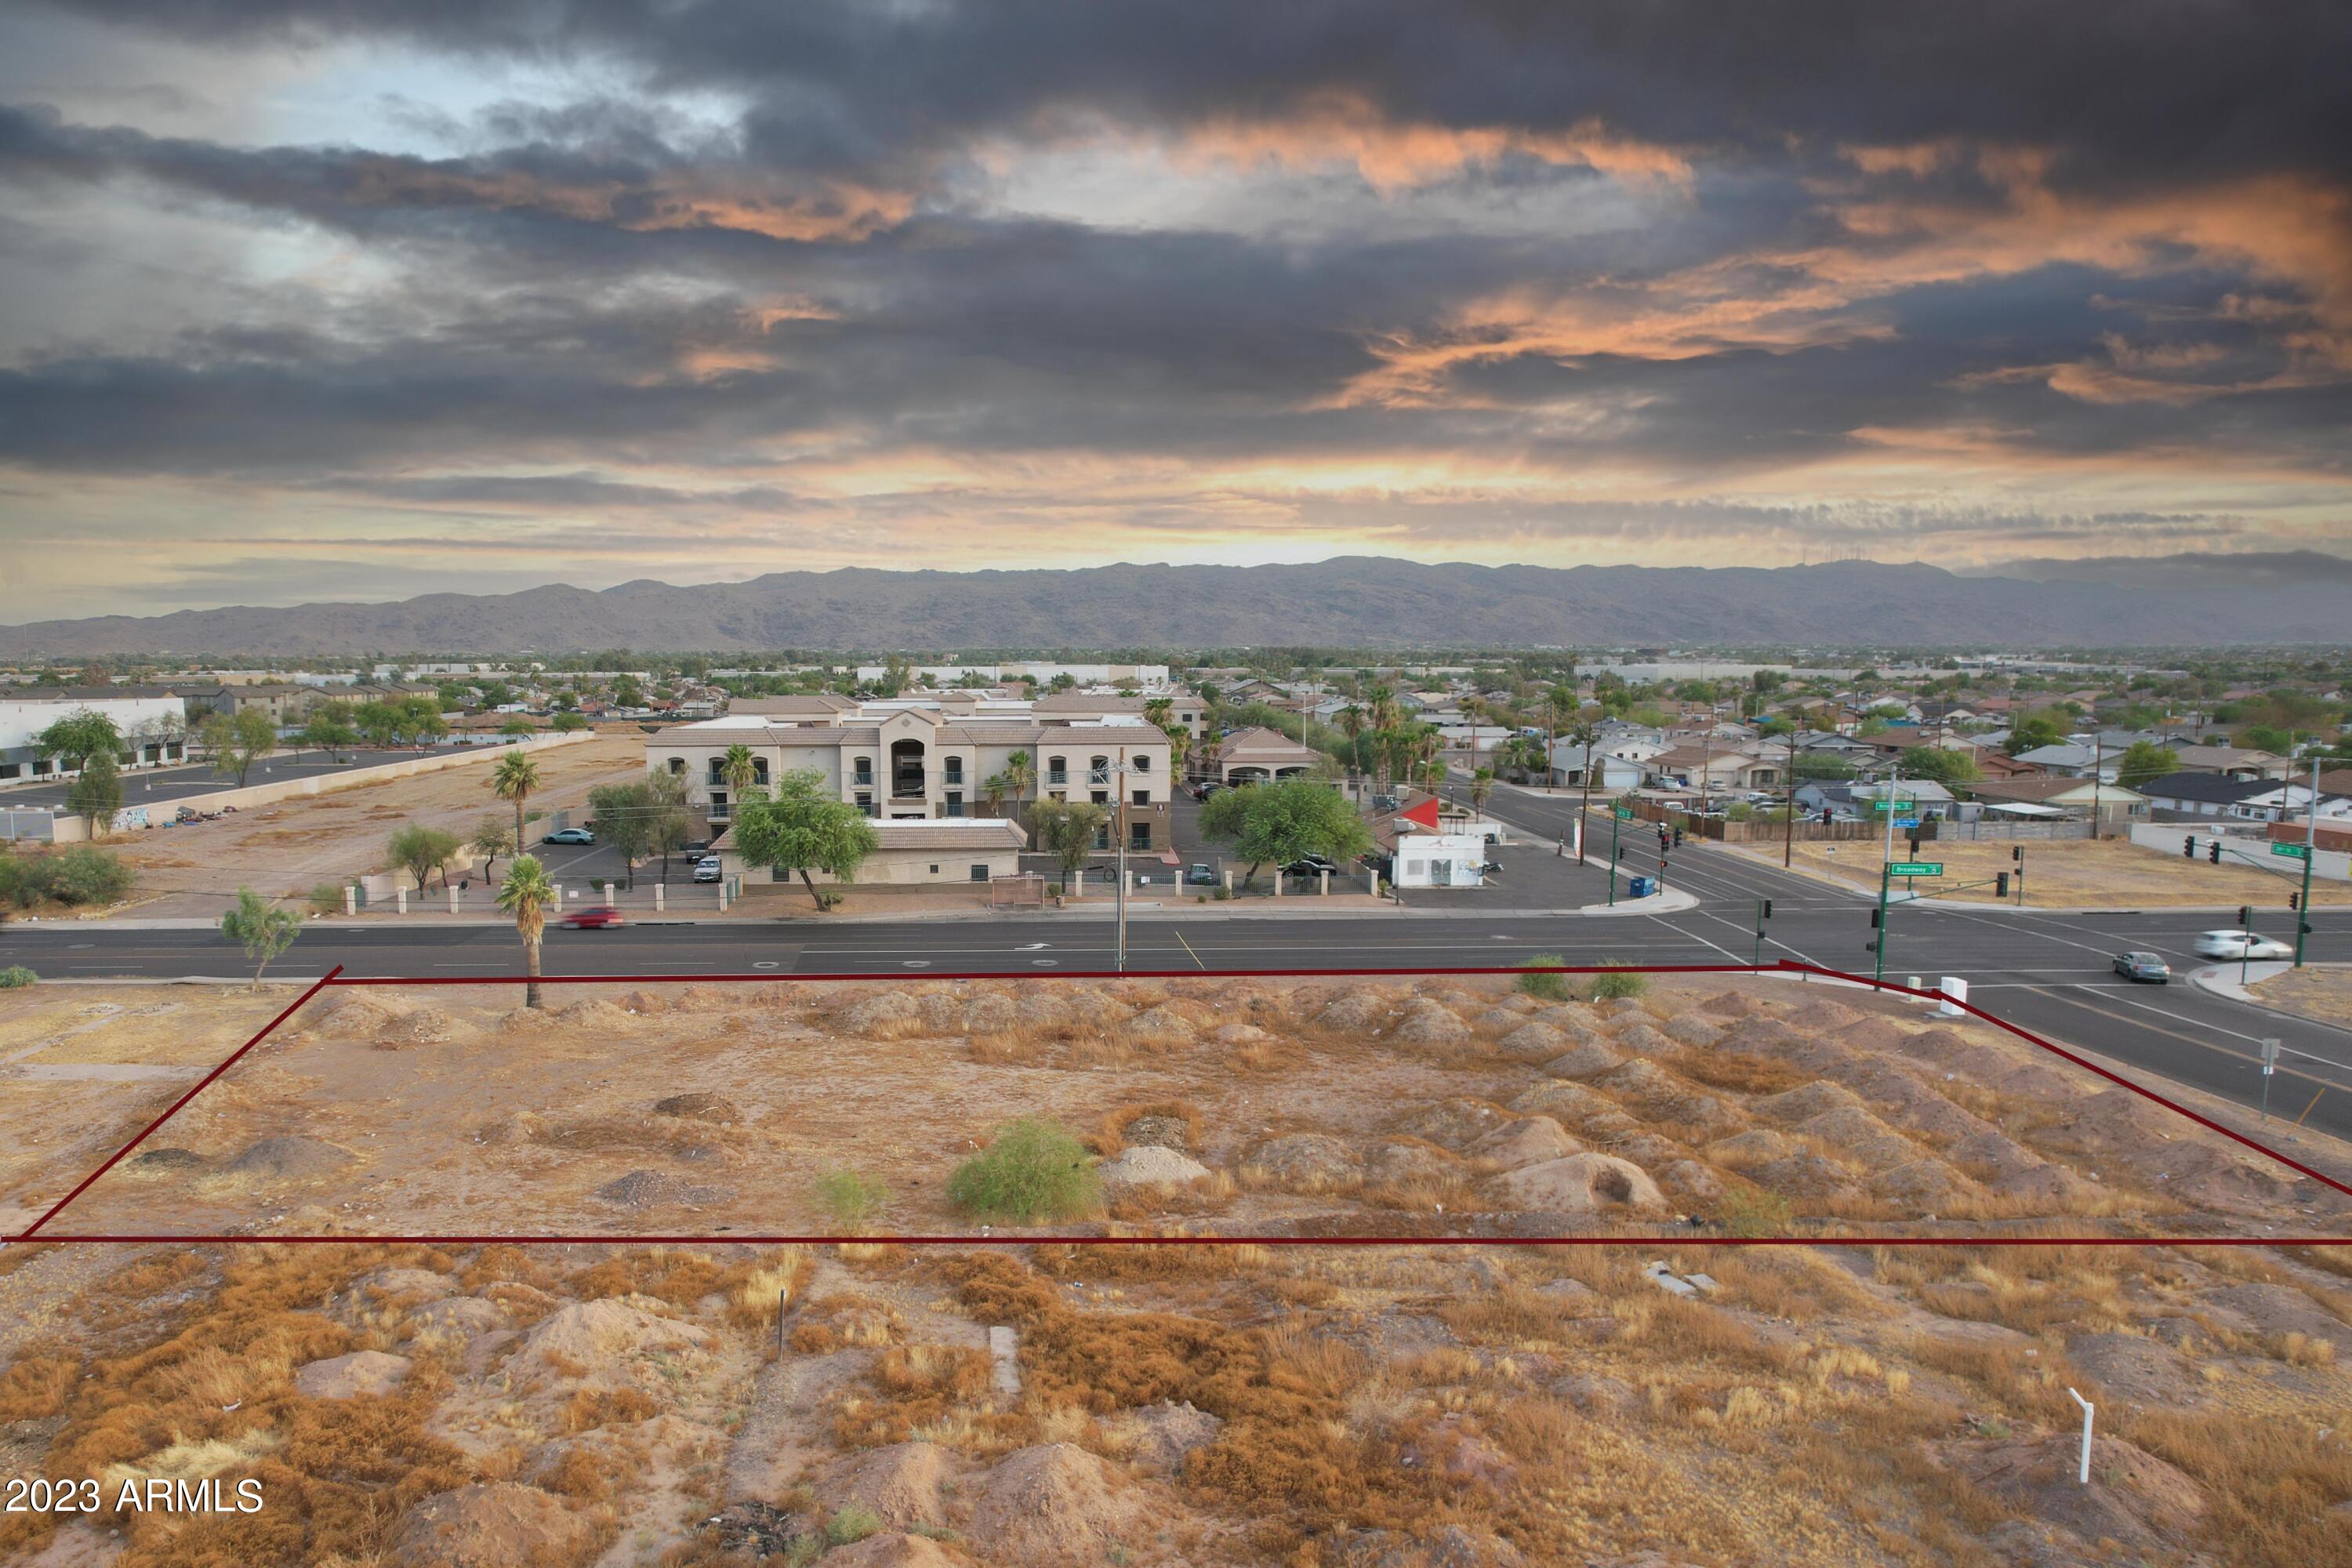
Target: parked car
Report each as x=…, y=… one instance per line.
x=1310, y=865
x=570, y=836
x=2143, y=966
x=596, y=917
x=709, y=868
x=1202, y=875
x=2240, y=944
x=696, y=847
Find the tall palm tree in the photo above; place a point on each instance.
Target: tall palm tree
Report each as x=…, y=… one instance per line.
x=1350, y=721
x=528, y=895
x=512, y=780
x=1585, y=733
x=1020, y=775
x=1180, y=750
x=1559, y=698
x=1474, y=709
x=991, y=790
x=738, y=768
x=1481, y=787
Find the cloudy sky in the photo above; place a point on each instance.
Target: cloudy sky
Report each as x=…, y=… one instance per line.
x=359, y=298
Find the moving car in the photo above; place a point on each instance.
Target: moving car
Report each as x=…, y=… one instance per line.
x=709, y=868
x=570, y=836
x=2143, y=966
x=596, y=917
x=2240, y=944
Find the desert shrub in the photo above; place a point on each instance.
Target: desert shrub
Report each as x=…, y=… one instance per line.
x=16, y=977
x=327, y=898
x=84, y=873
x=1753, y=1210
x=1033, y=1171
x=1609, y=988
x=849, y=1200
x=1548, y=987
x=851, y=1523
x=1223, y=895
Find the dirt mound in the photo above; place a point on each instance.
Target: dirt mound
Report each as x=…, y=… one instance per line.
x=406, y=1284
x=655, y=1189
x=1150, y=1166
x=902, y=1484
x=1577, y=1023
x=645, y=1002
x=1690, y=1182
x=892, y=1549
x=1168, y=1131
x=1452, y=1123
x=1861, y=1137
x=1232, y=1036
x=1162, y=1026
x=1876, y=1035
x=459, y=1317
x=355, y=1015
x=1642, y=1040
x=501, y=1525
x=1806, y=1102
x=1822, y=1017
x=1693, y=1030
x=1728, y=1004
x=2140, y=1501
x=2281, y=1310
x=989, y=1013
x=596, y=1014
x=1055, y=1503
x=423, y=1026
x=526, y=1021
x=1357, y=1013
x=2129, y=1367
x=699, y=1105
x=1401, y=1159
x=348, y=1377
x=1530, y=1140
x=1752, y=1147
x=1308, y=1162
x=1569, y=1101
x=1584, y=1183
x=603, y=1335
x=1929, y=1185
x=165, y=1160
x=1584, y=1061
x=882, y=1015
x=1532, y=1042
x=291, y=1157
x=1429, y=1024
x=1497, y=1020
x=1161, y=1435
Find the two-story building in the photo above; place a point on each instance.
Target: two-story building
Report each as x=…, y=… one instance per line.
x=896, y=761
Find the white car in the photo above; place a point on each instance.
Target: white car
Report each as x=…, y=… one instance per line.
x=709, y=869
x=2240, y=944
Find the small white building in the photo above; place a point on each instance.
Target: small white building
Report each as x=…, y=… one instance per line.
x=1438, y=860
x=151, y=719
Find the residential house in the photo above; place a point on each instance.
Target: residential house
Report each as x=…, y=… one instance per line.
x=2076, y=797
x=2200, y=793
x=1254, y=756
x=2232, y=761
x=1923, y=797
x=1721, y=771
x=1611, y=775
x=1418, y=847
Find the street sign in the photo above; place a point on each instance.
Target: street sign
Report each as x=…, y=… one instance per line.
x=1623, y=814
x=1915, y=869
x=2293, y=851
x=1906, y=822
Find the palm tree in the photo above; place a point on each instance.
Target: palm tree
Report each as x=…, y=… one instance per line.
x=1585, y=732
x=738, y=768
x=1350, y=721
x=1481, y=787
x=513, y=780
x=528, y=895
x=1180, y=750
x=1020, y=774
x=1560, y=697
x=1474, y=709
x=991, y=790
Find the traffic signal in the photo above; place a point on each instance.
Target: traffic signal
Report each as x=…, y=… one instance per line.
x=2000, y=884
x=2213, y=853
x=2294, y=901
x=1874, y=915
x=1768, y=908
x=2245, y=917
x=1679, y=837
x=2189, y=847
x=2017, y=852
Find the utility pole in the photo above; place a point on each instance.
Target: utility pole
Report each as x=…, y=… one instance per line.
x=1118, y=782
x=1789, y=828
x=2310, y=853
x=1885, y=876
x=1613, y=820
x=2098, y=767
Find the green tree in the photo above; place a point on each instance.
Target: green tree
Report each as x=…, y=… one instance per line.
x=262, y=927
x=1940, y=763
x=567, y=722
x=239, y=741
x=528, y=895
x=512, y=781
x=740, y=769
x=77, y=737
x=2144, y=760
x=1020, y=776
x=803, y=829
x=517, y=725
x=1281, y=822
x=96, y=792
x=1066, y=829
x=2036, y=730
x=2266, y=738
x=670, y=822
x=381, y=723
x=1481, y=787
x=331, y=728
x=421, y=721
x=493, y=837
x=623, y=817
x=420, y=851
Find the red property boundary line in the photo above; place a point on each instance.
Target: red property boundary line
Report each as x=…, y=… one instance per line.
x=333, y=977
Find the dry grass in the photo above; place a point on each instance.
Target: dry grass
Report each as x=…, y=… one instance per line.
x=2271, y=1483
x=2074, y=873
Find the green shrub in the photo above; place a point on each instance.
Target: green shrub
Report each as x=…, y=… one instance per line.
x=850, y=1201
x=16, y=977
x=84, y=873
x=1550, y=987
x=1223, y=893
x=1034, y=1171
x=1608, y=987
x=327, y=898
x=849, y=1523
x=1752, y=1211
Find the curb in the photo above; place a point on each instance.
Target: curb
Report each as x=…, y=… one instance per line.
x=2212, y=980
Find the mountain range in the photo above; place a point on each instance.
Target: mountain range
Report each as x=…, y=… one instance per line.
x=1359, y=600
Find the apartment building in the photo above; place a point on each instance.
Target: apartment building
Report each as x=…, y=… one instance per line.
x=908, y=760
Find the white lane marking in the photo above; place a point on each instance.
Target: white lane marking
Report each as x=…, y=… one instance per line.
x=2233, y=1034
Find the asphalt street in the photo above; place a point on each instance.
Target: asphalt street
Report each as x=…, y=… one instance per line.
x=2047, y=971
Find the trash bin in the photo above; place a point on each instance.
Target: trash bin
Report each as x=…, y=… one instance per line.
x=1642, y=886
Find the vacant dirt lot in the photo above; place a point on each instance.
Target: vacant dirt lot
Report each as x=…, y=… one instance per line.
x=289, y=848
x=2068, y=874
x=2317, y=991
x=1286, y=1108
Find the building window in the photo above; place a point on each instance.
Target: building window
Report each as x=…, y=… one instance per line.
x=678, y=764
x=1142, y=763
x=718, y=805
x=10, y=770
x=760, y=771
x=1102, y=837
x=980, y=871
x=1138, y=836
x=955, y=804
x=954, y=767
x=865, y=771
x=1102, y=797
x=1143, y=797
x=1057, y=770
x=865, y=802
x=1098, y=771
x=935, y=868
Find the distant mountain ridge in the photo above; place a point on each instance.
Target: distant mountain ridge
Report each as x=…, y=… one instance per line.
x=1363, y=601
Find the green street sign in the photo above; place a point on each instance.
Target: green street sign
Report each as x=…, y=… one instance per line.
x=1623, y=814
x=2293, y=851
x=1915, y=869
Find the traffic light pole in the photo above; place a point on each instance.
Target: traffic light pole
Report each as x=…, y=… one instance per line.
x=1613, y=820
x=2303, y=912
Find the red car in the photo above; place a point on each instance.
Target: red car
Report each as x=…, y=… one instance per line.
x=594, y=918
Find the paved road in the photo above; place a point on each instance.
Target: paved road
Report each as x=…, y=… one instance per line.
x=2047, y=971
